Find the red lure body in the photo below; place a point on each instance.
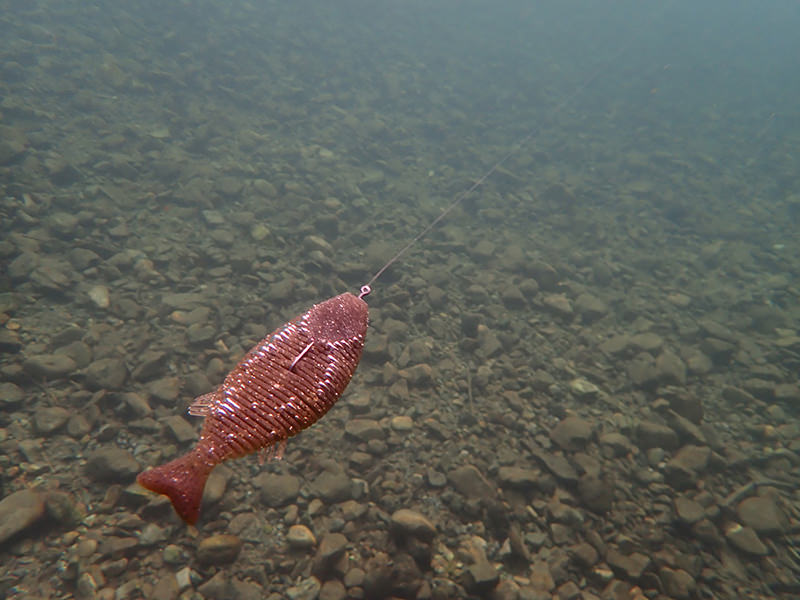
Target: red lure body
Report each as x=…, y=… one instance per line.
x=284, y=384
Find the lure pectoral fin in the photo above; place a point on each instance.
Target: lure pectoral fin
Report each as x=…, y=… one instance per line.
x=284, y=384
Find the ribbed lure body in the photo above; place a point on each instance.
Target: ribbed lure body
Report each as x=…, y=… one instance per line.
x=284, y=384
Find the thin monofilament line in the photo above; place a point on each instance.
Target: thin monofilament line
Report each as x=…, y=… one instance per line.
x=534, y=132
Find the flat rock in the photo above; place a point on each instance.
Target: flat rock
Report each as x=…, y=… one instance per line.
x=630, y=566
x=402, y=423
x=688, y=406
x=149, y=364
x=112, y=464
x=333, y=589
x=332, y=486
x=409, y=523
x=10, y=394
x=583, y=388
x=596, y=493
x=49, y=366
x=166, y=389
x=307, y=589
x=590, y=307
x=19, y=511
x=513, y=297
x=677, y=583
x=685, y=428
x=278, y=490
x=9, y=341
x=670, y=368
x=688, y=511
x=699, y=363
x=682, y=470
x=364, y=430
x=745, y=539
x=615, y=444
x=558, y=304
x=544, y=274
x=763, y=514
x=184, y=300
x=78, y=426
x=106, y=374
x=558, y=465
x=217, y=483
x=48, y=419
x=331, y=548
x=647, y=341
x=616, y=344
x=180, y=429
x=571, y=433
x=787, y=392
x=219, y=549
x=166, y=588
x=470, y=482
x=481, y=577
x=642, y=370
x=518, y=477
x=655, y=435
x=200, y=333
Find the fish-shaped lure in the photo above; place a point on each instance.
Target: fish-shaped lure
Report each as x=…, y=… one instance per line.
x=284, y=384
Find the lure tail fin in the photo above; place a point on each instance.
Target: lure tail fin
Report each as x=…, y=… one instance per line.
x=182, y=481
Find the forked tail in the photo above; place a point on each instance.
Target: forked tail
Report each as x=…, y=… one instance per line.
x=182, y=481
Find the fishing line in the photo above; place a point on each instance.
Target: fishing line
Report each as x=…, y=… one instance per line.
x=524, y=140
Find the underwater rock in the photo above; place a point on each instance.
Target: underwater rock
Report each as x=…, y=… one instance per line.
x=590, y=307
x=682, y=470
x=10, y=395
x=112, y=464
x=544, y=274
x=470, y=482
x=558, y=304
x=219, y=549
x=677, y=583
x=300, y=537
x=18, y=511
x=278, y=490
x=642, y=371
x=364, y=430
x=48, y=419
x=409, y=523
x=180, y=429
x=106, y=373
x=331, y=548
x=98, y=294
x=630, y=566
x=688, y=511
x=647, y=341
x=332, y=485
x=670, y=368
x=519, y=477
x=49, y=366
x=571, y=433
x=745, y=539
x=763, y=515
x=13, y=144
x=596, y=493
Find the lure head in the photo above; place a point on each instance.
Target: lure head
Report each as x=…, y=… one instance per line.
x=339, y=319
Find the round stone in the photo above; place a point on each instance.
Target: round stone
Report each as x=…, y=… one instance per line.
x=300, y=537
